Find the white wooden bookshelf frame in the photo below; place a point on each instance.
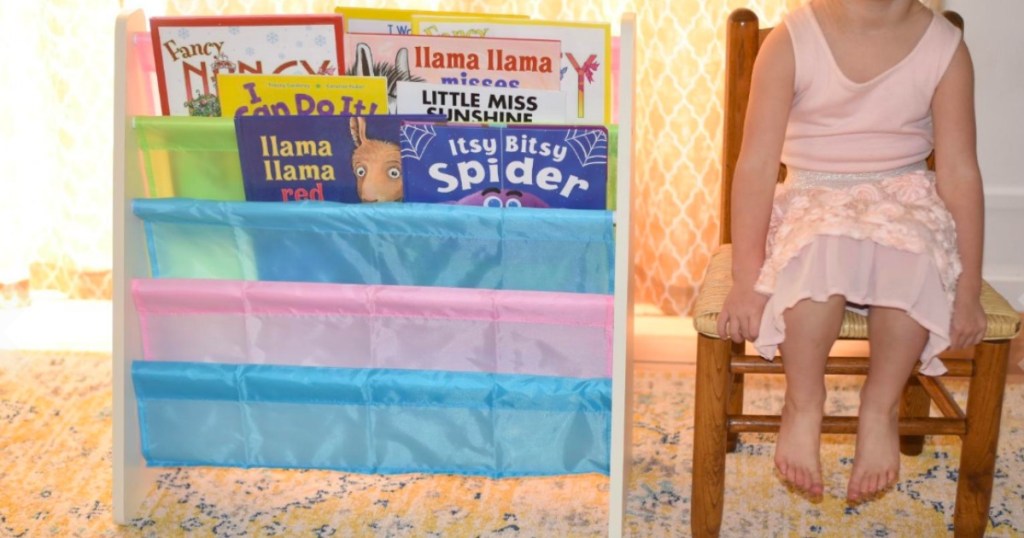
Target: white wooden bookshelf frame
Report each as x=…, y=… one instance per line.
x=133, y=480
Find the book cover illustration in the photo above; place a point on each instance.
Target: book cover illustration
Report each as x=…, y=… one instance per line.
x=501, y=63
x=369, y=20
x=349, y=159
x=301, y=95
x=478, y=104
x=535, y=166
x=586, y=55
x=191, y=51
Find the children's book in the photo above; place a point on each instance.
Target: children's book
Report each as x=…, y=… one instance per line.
x=457, y=61
x=301, y=95
x=586, y=55
x=523, y=166
x=191, y=51
x=368, y=20
x=478, y=104
x=348, y=159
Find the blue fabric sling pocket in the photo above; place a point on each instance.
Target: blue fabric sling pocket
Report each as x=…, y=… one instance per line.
x=388, y=243
x=372, y=420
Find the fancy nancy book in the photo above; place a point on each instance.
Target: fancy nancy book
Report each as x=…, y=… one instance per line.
x=191, y=51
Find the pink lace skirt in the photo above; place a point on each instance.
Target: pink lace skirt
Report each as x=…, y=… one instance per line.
x=883, y=239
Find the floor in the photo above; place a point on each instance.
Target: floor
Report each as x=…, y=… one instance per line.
x=664, y=344
x=55, y=323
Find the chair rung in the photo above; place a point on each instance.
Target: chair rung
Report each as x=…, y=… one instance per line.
x=754, y=364
x=913, y=426
x=942, y=398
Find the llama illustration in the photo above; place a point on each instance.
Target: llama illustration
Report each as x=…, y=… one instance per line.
x=377, y=165
x=364, y=67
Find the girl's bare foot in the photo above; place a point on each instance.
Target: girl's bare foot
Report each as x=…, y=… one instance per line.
x=797, y=449
x=876, y=463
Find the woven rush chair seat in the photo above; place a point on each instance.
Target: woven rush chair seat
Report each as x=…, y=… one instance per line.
x=1003, y=320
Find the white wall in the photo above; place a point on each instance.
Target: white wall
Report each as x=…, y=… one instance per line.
x=992, y=32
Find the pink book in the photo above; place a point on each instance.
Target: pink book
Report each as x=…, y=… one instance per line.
x=463, y=61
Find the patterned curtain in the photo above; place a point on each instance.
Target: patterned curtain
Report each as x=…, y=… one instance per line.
x=56, y=140
x=56, y=214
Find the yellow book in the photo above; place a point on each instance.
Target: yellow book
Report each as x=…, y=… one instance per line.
x=586, y=77
x=301, y=95
x=368, y=20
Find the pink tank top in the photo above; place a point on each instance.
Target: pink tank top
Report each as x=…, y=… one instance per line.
x=837, y=125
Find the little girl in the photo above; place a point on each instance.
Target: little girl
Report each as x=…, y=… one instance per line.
x=853, y=95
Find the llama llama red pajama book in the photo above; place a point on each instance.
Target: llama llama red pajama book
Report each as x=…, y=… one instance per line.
x=349, y=159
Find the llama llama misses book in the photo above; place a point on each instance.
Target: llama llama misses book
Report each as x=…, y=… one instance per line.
x=500, y=63
x=348, y=159
x=189, y=53
x=524, y=166
x=585, y=65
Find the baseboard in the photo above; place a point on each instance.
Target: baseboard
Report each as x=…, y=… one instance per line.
x=1009, y=282
x=671, y=340
x=1004, y=257
x=663, y=338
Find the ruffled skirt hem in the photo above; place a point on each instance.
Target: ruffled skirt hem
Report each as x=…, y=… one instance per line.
x=867, y=274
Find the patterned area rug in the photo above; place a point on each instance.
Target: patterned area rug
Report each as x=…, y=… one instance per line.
x=55, y=477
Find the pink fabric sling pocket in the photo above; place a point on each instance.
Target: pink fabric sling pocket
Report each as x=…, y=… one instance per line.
x=372, y=326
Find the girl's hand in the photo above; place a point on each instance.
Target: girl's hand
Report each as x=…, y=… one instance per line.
x=740, y=318
x=967, y=327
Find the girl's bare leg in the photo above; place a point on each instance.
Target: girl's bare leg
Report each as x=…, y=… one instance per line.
x=811, y=329
x=896, y=344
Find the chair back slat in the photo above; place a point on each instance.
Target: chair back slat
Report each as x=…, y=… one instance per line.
x=743, y=40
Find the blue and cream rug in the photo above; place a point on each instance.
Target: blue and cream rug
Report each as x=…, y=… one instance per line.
x=55, y=477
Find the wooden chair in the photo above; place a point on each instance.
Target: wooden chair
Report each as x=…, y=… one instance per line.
x=722, y=365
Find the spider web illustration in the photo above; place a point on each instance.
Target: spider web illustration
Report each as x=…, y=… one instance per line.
x=589, y=145
x=415, y=139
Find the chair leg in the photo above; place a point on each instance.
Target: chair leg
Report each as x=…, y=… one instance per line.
x=734, y=407
x=978, y=455
x=915, y=404
x=709, y=436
